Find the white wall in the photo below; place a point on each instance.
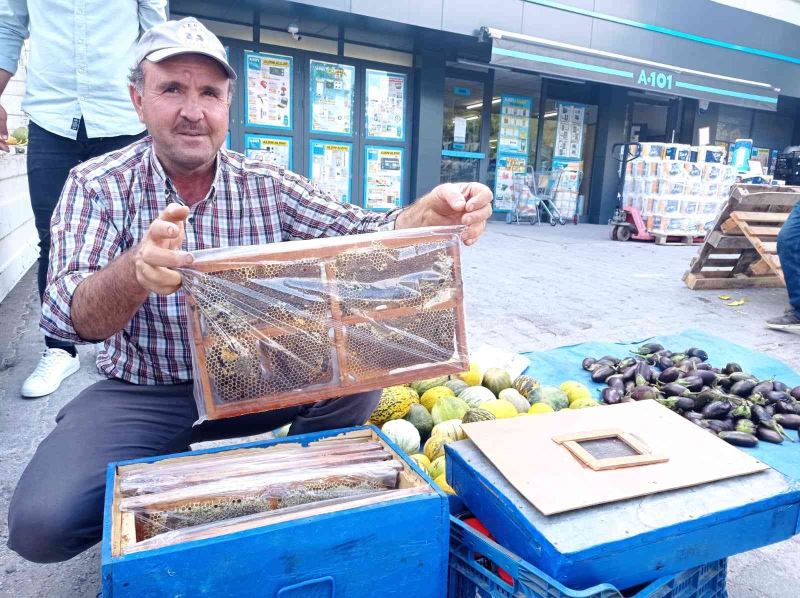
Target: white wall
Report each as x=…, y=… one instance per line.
x=18, y=237
x=783, y=10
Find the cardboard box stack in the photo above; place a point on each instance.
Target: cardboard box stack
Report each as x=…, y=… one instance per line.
x=678, y=189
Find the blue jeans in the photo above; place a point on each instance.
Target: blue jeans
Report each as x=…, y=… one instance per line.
x=50, y=158
x=789, y=253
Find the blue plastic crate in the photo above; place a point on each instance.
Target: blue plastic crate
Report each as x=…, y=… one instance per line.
x=474, y=560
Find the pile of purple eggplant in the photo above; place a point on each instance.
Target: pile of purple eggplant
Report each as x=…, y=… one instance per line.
x=728, y=402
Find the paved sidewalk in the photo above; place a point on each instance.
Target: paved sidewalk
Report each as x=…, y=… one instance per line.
x=527, y=288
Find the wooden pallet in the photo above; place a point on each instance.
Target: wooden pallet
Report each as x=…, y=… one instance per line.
x=664, y=239
x=741, y=250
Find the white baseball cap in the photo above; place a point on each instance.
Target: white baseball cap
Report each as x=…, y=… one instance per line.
x=186, y=36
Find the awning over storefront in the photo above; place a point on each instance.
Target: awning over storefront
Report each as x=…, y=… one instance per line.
x=548, y=57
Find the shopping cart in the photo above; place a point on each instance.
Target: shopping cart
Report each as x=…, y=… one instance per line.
x=564, y=195
x=524, y=193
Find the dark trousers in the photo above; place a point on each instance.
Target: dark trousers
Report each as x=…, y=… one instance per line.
x=789, y=253
x=50, y=158
x=56, y=511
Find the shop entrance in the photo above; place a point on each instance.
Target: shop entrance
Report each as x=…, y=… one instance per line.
x=653, y=120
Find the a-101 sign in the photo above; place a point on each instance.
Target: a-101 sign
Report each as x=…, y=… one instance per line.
x=655, y=79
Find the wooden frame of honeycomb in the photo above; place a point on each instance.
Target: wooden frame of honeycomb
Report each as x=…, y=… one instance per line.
x=298, y=322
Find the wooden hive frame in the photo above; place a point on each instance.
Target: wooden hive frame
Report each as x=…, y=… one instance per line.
x=124, y=536
x=740, y=251
x=345, y=382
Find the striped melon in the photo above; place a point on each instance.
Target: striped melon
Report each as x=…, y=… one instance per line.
x=423, y=461
x=475, y=395
x=448, y=407
x=477, y=415
x=403, y=434
x=395, y=403
x=450, y=429
x=421, y=419
x=496, y=379
x=456, y=385
x=524, y=385
x=434, y=447
x=437, y=467
x=512, y=396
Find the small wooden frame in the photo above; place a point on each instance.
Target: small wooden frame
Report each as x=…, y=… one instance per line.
x=571, y=442
x=740, y=251
x=344, y=331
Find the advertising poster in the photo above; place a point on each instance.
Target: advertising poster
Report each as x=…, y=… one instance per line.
x=330, y=167
x=569, y=130
x=515, y=124
x=332, y=87
x=269, y=90
x=507, y=166
x=383, y=180
x=273, y=150
x=386, y=105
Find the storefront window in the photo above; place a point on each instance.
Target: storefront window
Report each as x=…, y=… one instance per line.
x=514, y=125
x=733, y=123
x=463, y=109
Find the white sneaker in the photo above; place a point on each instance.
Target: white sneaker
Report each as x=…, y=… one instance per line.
x=54, y=366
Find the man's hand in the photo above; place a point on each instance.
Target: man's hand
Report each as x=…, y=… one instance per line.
x=160, y=250
x=469, y=204
x=3, y=129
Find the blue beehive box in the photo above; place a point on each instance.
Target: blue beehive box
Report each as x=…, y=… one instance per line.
x=632, y=541
x=395, y=547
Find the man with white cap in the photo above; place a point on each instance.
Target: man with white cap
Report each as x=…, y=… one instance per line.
x=125, y=222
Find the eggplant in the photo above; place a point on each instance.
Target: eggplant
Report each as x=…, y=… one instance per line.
x=731, y=368
x=739, y=376
x=629, y=373
x=739, y=439
x=695, y=361
x=695, y=352
x=789, y=421
x=643, y=393
x=757, y=398
x=705, y=366
x=795, y=393
x=675, y=390
x=678, y=358
x=742, y=411
x=642, y=373
x=685, y=403
x=627, y=399
x=602, y=373
x=779, y=386
x=707, y=396
x=743, y=388
x=776, y=396
x=665, y=363
x=787, y=407
x=627, y=362
x=720, y=425
x=717, y=410
x=629, y=386
x=669, y=375
x=763, y=387
x=759, y=414
x=768, y=435
x=707, y=376
x=649, y=349
x=616, y=380
x=693, y=383
x=610, y=396
x=769, y=410
x=693, y=416
x=610, y=359
x=588, y=363
x=724, y=382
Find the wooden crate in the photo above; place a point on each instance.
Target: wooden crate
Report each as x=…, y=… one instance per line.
x=731, y=258
x=396, y=546
x=298, y=322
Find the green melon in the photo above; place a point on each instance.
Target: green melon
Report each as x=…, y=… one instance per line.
x=448, y=408
x=456, y=385
x=555, y=397
x=437, y=467
x=475, y=395
x=477, y=415
x=496, y=379
x=421, y=419
x=420, y=386
x=450, y=429
x=520, y=403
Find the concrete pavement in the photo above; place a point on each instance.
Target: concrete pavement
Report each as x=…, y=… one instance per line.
x=527, y=287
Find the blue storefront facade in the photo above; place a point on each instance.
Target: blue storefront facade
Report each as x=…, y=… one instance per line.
x=380, y=101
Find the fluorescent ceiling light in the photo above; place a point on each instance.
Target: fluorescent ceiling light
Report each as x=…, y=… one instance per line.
x=472, y=118
x=550, y=114
x=480, y=104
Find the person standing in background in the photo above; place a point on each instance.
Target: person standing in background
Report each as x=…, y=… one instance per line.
x=78, y=105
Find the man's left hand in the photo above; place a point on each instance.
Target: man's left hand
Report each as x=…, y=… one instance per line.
x=469, y=204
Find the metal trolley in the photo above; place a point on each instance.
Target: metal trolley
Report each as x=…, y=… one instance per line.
x=544, y=192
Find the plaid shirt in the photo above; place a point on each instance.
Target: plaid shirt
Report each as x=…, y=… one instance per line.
x=106, y=208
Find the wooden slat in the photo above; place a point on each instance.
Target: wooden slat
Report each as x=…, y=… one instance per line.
x=760, y=268
x=729, y=227
x=768, y=247
x=699, y=282
x=720, y=263
x=720, y=241
x=765, y=231
x=759, y=216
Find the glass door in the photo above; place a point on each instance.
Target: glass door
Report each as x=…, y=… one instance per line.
x=461, y=136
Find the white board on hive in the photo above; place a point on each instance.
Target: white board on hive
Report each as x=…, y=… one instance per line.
x=532, y=452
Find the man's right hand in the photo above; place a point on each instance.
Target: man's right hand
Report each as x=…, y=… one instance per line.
x=3, y=129
x=159, y=251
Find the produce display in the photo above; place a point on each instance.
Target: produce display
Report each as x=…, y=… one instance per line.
x=727, y=401
x=425, y=415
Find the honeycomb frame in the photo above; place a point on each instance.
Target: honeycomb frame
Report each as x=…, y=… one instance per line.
x=420, y=322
